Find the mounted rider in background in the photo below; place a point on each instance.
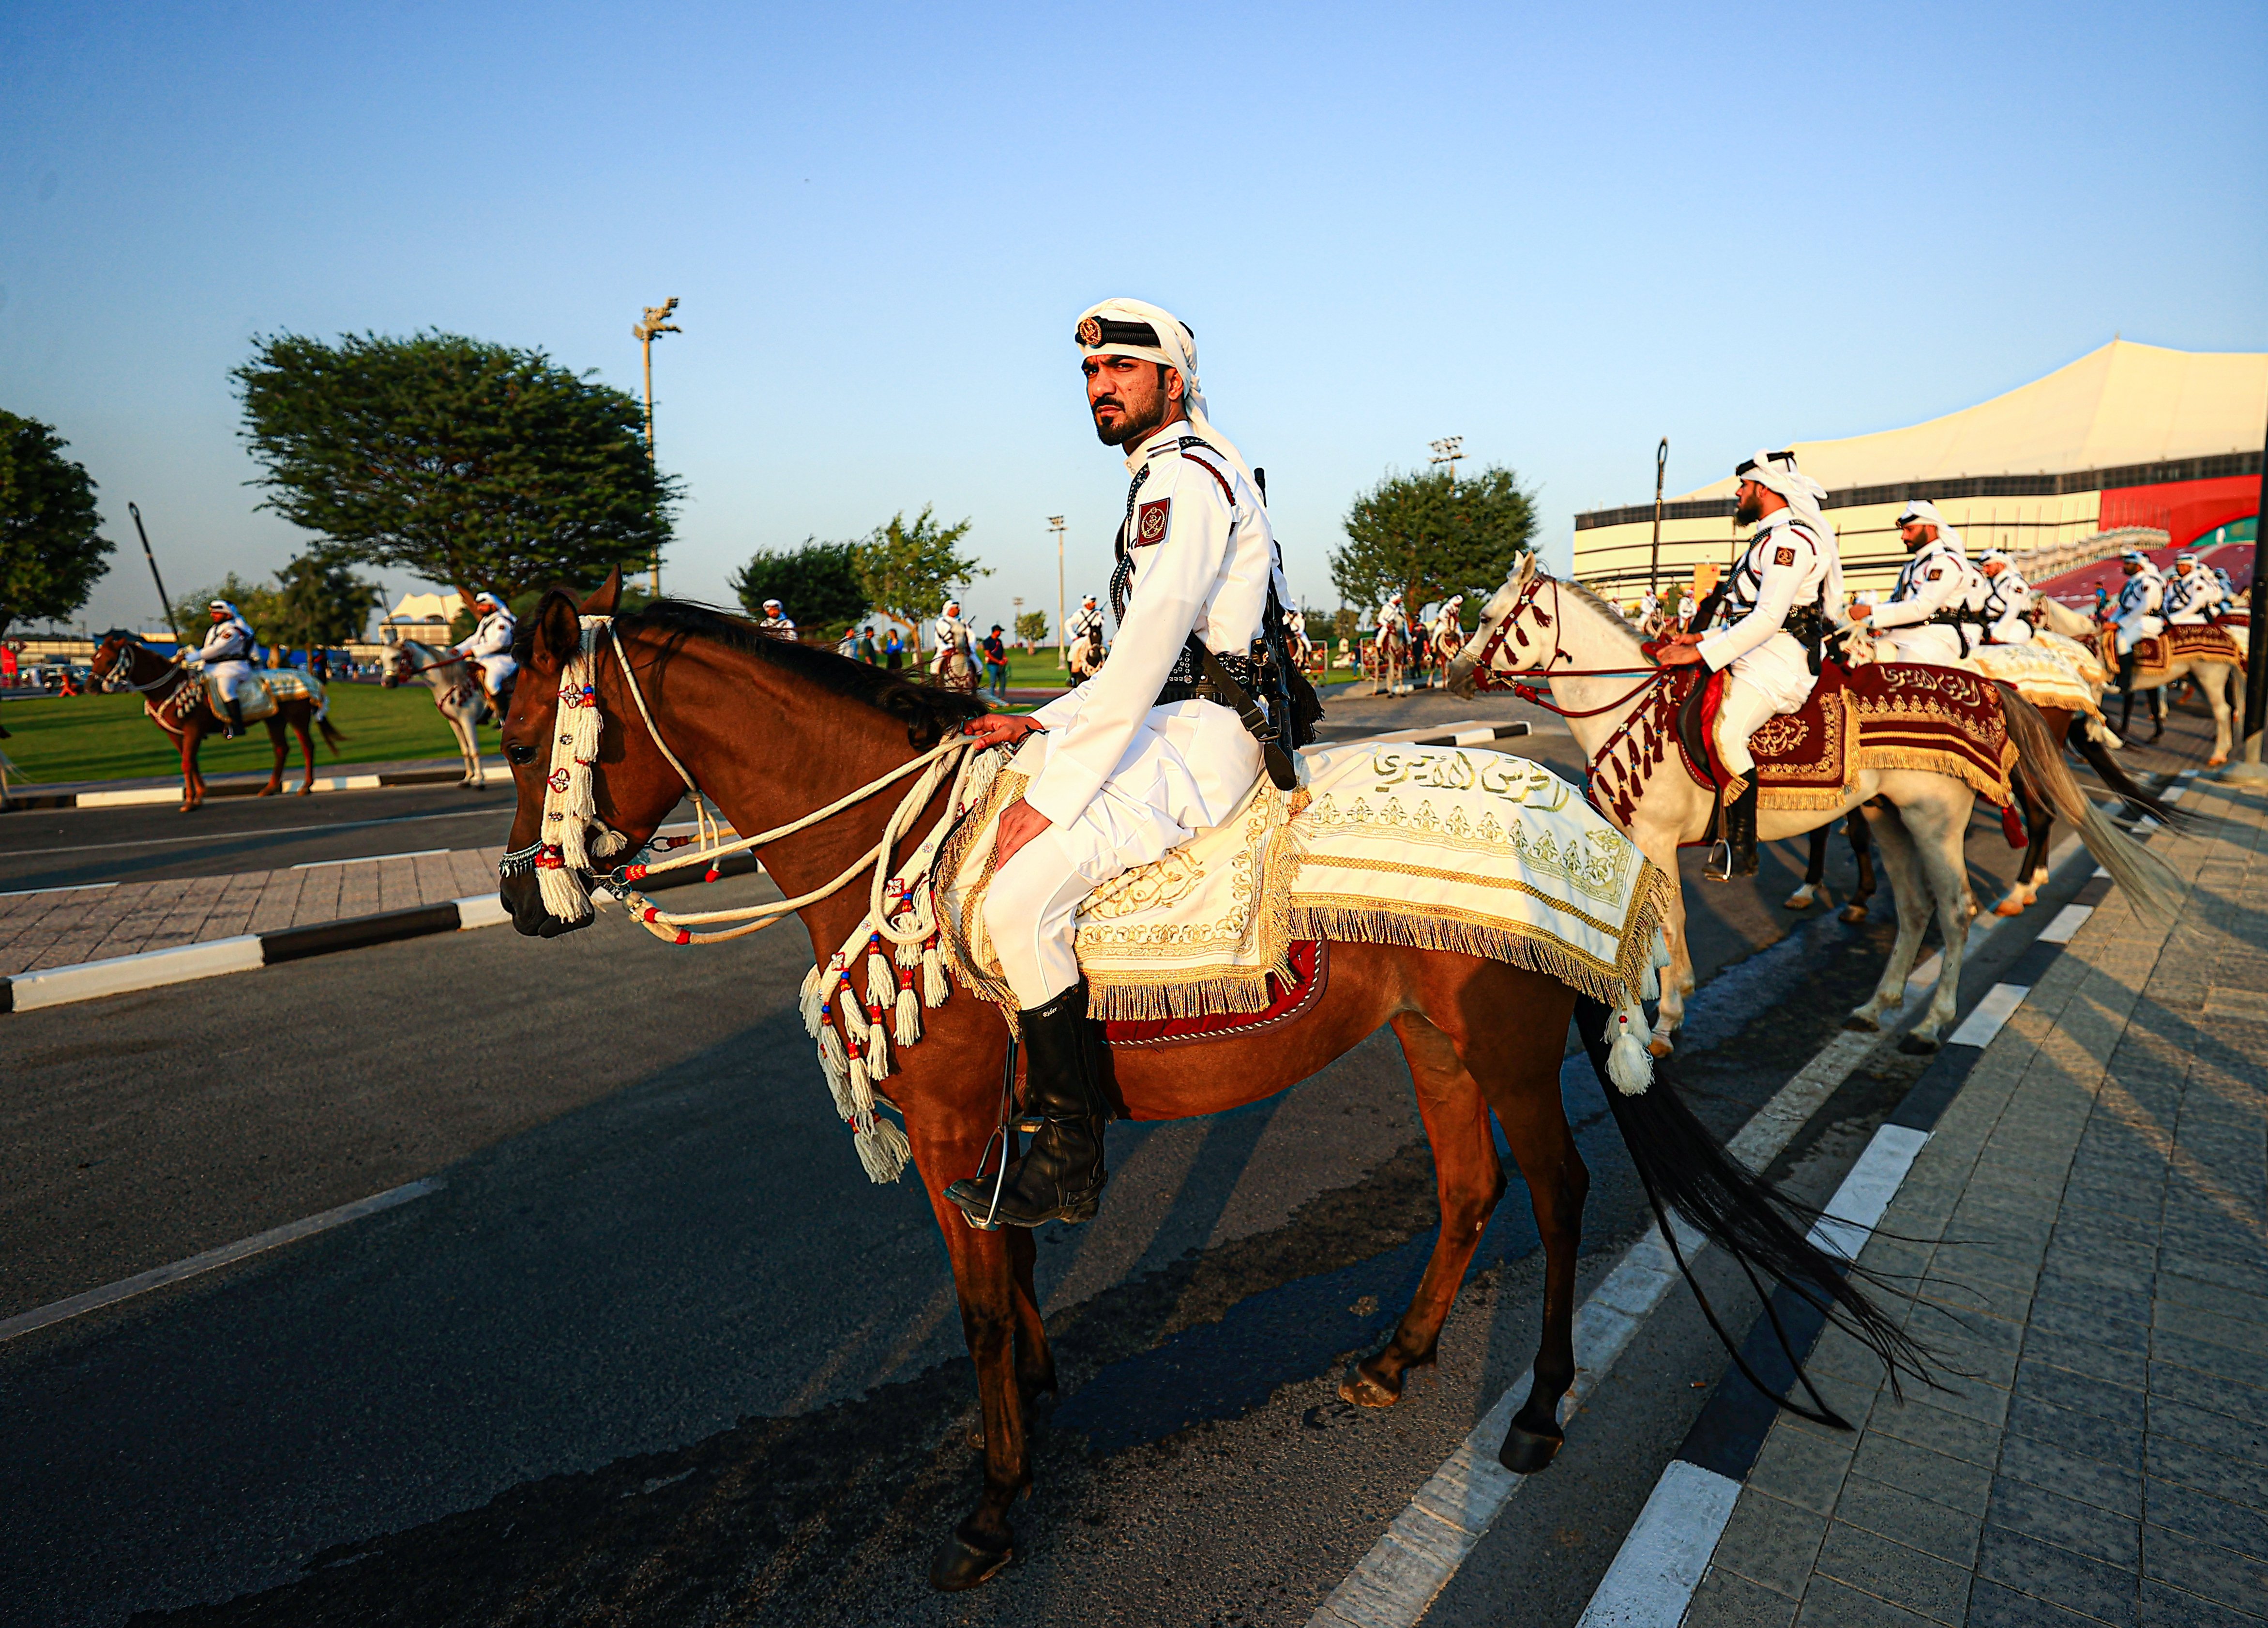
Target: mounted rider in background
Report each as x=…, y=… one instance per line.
x=1929, y=618
x=2002, y=599
x=776, y=622
x=1770, y=625
x=226, y=658
x=1153, y=747
x=2138, y=612
x=1086, y=625
x=488, y=647
x=2193, y=593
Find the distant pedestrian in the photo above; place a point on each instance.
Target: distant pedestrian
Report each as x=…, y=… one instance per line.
x=319, y=663
x=869, y=652
x=894, y=651
x=995, y=664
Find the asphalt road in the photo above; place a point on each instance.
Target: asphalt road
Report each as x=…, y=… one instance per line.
x=656, y=1352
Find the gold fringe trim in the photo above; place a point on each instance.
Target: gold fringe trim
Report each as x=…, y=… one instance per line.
x=1804, y=799
x=1956, y=764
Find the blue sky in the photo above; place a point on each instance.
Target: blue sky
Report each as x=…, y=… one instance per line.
x=1559, y=231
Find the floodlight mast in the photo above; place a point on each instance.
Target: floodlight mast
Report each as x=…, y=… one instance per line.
x=1447, y=450
x=656, y=323
x=1063, y=642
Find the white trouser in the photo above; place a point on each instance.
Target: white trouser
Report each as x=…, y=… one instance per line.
x=2012, y=630
x=1930, y=643
x=2188, y=619
x=1741, y=710
x=496, y=671
x=2136, y=626
x=231, y=678
x=1031, y=909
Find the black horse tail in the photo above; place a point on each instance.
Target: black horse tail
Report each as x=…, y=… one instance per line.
x=2107, y=770
x=1684, y=1168
x=331, y=737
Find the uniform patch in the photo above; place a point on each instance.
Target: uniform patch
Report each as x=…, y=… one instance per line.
x=1782, y=556
x=1150, y=522
x=1935, y=571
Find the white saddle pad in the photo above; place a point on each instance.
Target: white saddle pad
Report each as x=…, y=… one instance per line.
x=2040, y=672
x=262, y=691
x=1435, y=847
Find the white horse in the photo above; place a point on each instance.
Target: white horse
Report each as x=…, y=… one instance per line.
x=2222, y=681
x=456, y=686
x=1536, y=623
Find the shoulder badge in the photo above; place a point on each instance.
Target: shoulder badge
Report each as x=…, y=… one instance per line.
x=1150, y=522
x=1935, y=571
x=1783, y=555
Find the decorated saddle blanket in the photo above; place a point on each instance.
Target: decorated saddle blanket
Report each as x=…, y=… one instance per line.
x=2041, y=673
x=1435, y=847
x=263, y=691
x=1881, y=715
x=2154, y=657
x=2084, y=659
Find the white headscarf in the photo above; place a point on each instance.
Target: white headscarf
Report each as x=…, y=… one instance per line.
x=1922, y=510
x=1176, y=348
x=1777, y=472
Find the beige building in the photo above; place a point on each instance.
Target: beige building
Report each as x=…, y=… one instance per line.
x=2128, y=436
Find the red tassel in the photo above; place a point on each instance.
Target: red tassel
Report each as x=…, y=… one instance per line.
x=2013, y=827
x=713, y=874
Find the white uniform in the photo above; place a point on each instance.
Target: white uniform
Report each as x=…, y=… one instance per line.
x=1786, y=565
x=1086, y=622
x=781, y=626
x=952, y=634
x=1123, y=780
x=2001, y=600
x=2141, y=598
x=491, y=644
x=1936, y=580
x=1392, y=614
x=2191, y=598
x=226, y=657
x=1450, y=619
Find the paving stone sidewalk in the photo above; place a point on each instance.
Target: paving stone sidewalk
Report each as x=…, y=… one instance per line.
x=60, y=928
x=2090, y=1227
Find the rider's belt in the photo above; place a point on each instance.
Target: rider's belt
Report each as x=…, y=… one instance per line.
x=1955, y=618
x=1187, y=681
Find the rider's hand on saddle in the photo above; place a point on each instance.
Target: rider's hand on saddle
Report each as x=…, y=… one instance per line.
x=1019, y=823
x=1859, y=613
x=999, y=729
x=1682, y=651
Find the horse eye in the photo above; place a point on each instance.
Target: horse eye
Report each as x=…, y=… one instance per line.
x=519, y=756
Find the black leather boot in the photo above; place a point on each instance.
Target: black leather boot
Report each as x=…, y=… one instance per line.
x=1741, y=833
x=235, y=718
x=1061, y=1174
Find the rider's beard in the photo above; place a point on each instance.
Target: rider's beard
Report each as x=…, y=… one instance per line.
x=1132, y=423
x=1750, y=510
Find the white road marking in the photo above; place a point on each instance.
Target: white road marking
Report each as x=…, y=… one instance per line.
x=375, y=859
x=1998, y=1007
x=1660, y=1563
x=480, y=910
x=26, y=892
x=2067, y=921
x=1663, y=1559
x=124, y=974
x=142, y=1282
x=280, y=831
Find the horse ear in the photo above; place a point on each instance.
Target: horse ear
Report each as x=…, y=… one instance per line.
x=1526, y=568
x=602, y=603
x=558, y=635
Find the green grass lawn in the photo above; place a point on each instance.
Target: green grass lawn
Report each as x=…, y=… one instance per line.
x=108, y=737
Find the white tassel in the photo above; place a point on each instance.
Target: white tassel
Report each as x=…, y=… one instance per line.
x=909, y=1016
x=1651, y=990
x=877, y=1051
x=861, y=1090
x=813, y=1002
x=835, y=1063
x=881, y=983
x=908, y=955
x=1629, y=1063
x=935, y=989
x=883, y=1150
x=854, y=1016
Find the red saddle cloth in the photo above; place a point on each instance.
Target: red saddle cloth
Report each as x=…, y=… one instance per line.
x=1310, y=968
x=2156, y=654
x=1881, y=715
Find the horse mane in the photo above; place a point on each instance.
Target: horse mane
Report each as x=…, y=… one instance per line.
x=928, y=713
x=1606, y=607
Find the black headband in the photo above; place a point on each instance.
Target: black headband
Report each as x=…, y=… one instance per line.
x=1786, y=457
x=1096, y=331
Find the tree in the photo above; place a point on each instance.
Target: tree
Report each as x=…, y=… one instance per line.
x=818, y=584
x=907, y=572
x=467, y=462
x=49, y=554
x=1430, y=537
x=319, y=601
x=1032, y=629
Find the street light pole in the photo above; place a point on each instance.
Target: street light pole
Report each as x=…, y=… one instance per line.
x=656, y=323
x=1653, y=567
x=1062, y=644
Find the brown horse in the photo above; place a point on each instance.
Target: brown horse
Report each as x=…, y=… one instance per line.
x=175, y=699
x=771, y=731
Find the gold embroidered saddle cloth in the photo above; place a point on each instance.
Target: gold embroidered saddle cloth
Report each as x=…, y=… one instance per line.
x=1437, y=847
x=2040, y=672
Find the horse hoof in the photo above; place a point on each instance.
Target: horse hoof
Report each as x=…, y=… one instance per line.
x=1862, y=1023
x=1660, y=1046
x=2009, y=906
x=1796, y=901
x=1916, y=1046
x=1525, y=1451
x=1365, y=1391
x=1854, y=914
x=2214, y=763
x=960, y=1564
